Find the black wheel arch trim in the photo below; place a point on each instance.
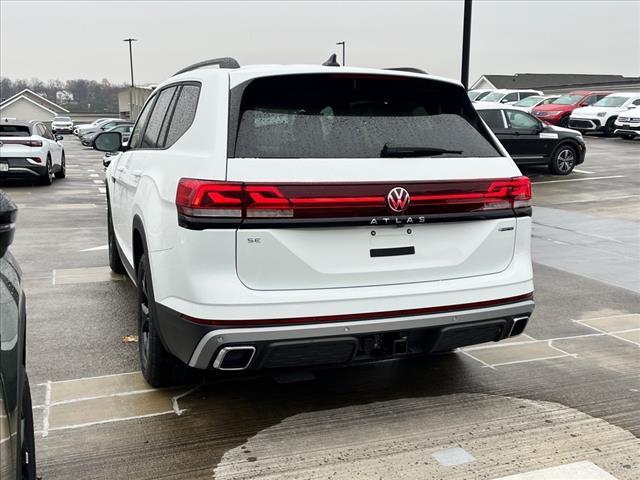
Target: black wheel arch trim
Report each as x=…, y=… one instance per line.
x=138, y=228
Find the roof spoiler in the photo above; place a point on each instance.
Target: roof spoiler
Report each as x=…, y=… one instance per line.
x=407, y=69
x=223, y=62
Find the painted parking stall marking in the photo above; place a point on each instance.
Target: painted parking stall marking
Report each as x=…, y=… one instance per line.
x=84, y=275
x=83, y=402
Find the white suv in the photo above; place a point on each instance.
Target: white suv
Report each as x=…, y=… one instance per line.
x=508, y=97
x=29, y=150
x=286, y=216
x=601, y=116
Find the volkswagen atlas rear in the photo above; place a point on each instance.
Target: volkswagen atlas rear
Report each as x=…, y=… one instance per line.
x=310, y=216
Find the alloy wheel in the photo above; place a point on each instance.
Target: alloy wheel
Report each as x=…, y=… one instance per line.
x=565, y=160
x=145, y=314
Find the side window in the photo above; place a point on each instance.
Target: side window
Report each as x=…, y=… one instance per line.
x=48, y=133
x=526, y=94
x=183, y=114
x=151, y=133
x=510, y=97
x=636, y=102
x=136, y=136
x=493, y=118
x=521, y=120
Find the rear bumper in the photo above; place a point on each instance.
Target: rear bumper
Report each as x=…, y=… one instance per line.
x=62, y=129
x=342, y=342
x=21, y=168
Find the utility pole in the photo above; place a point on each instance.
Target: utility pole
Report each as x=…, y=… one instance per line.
x=343, y=45
x=131, y=115
x=466, y=43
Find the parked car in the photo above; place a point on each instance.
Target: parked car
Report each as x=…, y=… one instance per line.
x=508, y=97
x=559, y=111
x=531, y=142
x=529, y=103
x=600, y=116
x=30, y=150
x=82, y=129
x=124, y=128
x=405, y=248
x=91, y=132
x=479, y=93
x=627, y=125
x=62, y=125
x=17, y=443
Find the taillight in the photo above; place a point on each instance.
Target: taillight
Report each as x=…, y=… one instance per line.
x=26, y=142
x=208, y=202
x=204, y=198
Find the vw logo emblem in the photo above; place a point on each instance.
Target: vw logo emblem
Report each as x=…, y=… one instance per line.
x=398, y=199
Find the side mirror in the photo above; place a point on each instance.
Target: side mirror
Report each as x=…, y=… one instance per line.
x=108, y=142
x=8, y=214
x=59, y=137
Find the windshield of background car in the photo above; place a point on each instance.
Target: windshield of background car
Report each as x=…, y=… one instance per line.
x=611, y=101
x=567, y=100
x=14, y=130
x=62, y=119
x=474, y=94
x=528, y=102
x=352, y=116
x=493, y=97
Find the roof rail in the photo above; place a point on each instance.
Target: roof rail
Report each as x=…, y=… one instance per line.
x=224, y=62
x=407, y=69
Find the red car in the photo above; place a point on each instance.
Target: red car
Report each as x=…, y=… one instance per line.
x=559, y=111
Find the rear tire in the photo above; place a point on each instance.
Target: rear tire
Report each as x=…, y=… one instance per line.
x=628, y=137
x=28, y=446
x=159, y=367
x=115, y=262
x=563, y=160
x=47, y=178
x=63, y=167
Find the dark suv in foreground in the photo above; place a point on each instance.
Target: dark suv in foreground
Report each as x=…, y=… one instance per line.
x=17, y=445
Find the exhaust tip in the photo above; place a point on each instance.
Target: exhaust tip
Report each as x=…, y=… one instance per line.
x=234, y=358
x=518, y=325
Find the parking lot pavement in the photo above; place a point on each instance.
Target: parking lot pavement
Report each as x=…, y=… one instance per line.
x=561, y=401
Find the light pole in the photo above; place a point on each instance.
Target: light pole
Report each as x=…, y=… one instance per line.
x=343, y=45
x=466, y=44
x=131, y=40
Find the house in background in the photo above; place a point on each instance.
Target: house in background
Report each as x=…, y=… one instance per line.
x=558, y=82
x=64, y=96
x=27, y=105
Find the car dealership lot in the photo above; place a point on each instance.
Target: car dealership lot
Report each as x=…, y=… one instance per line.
x=566, y=395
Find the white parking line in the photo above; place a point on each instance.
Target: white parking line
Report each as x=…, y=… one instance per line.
x=580, y=179
x=572, y=471
x=582, y=171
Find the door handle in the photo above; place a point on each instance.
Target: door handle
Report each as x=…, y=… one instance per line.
x=137, y=173
x=119, y=168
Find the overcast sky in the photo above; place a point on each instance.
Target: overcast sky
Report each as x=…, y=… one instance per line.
x=83, y=39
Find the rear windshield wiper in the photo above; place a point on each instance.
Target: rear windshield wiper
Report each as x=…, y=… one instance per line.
x=392, y=150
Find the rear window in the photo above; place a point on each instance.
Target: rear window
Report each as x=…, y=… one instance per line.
x=14, y=130
x=352, y=116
